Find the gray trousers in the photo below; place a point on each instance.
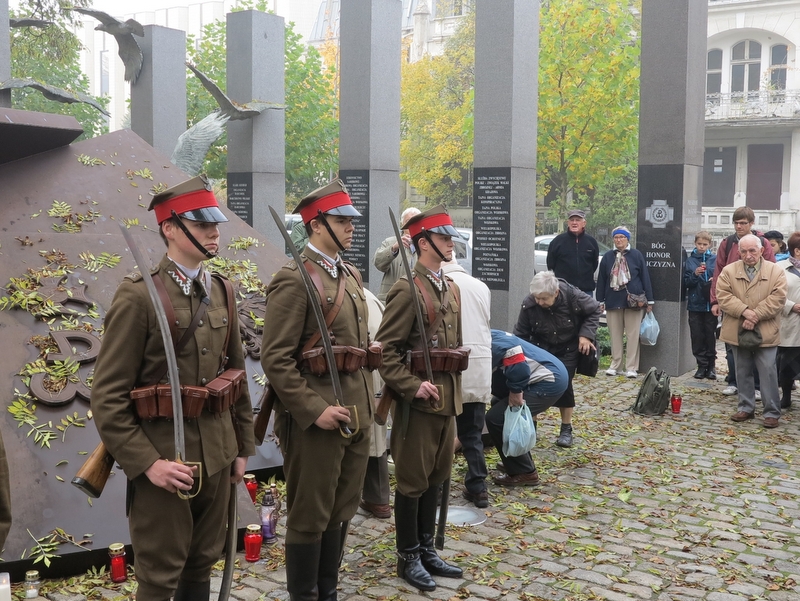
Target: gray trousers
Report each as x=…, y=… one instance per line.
x=763, y=360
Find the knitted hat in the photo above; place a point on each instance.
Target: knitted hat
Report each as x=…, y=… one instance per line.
x=621, y=229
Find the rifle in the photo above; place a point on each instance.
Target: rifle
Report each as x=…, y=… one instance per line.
x=383, y=402
x=94, y=472
x=265, y=406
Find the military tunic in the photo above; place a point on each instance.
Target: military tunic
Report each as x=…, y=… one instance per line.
x=172, y=538
x=324, y=471
x=423, y=454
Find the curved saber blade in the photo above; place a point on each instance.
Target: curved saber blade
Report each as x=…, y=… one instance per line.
x=169, y=347
x=230, y=548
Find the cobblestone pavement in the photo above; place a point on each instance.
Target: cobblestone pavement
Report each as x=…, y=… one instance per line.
x=680, y=507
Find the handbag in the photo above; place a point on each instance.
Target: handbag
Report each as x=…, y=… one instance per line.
x=749, y=339
x=649, y=330
x=637, y=301
x=519, y=435
x=588, y=364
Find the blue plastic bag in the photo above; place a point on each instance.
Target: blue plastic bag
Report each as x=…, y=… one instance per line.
x=649, y=330
x=519, y=435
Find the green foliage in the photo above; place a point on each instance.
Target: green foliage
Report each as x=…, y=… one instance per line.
x=613, y=202
x=312, y=127
x=51, y=56
x=588, y=95
x=436, y=119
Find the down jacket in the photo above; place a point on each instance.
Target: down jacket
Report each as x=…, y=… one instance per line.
x=765, y=294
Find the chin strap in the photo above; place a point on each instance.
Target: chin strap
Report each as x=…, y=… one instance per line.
x=427, y=236
x=192, y=239
x=321, y=218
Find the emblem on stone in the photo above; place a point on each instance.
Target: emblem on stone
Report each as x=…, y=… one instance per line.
x=659, y=214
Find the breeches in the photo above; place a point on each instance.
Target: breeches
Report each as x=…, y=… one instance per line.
x=425, y=456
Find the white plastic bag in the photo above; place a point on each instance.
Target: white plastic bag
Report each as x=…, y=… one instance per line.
x=519, y=435
x=649, y=330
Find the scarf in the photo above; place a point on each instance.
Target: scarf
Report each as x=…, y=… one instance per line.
x=795, y=262
x=620, y=274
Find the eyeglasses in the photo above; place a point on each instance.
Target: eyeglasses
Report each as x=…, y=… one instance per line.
x=742, y=223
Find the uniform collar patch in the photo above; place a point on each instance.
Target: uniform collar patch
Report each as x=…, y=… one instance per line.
x=184, y=283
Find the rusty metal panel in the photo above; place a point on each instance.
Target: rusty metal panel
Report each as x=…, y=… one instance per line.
x=61, y=207
x=25, y=133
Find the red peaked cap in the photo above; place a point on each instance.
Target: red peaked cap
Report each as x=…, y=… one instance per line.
x=331, y=199
x=435, y=220
x=192, y=200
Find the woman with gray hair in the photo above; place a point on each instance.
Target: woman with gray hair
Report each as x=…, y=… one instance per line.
x=562, y=320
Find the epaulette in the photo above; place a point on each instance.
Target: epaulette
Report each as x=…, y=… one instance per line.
x=134, y=276
x=353, y=270
x=291, y=265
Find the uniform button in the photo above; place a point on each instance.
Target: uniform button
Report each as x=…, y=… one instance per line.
x=403, y=395
x=225, y=320
x=330, y=300
x=204, y=351
x=199, y=323
x=177, y=322
x=204, y=381
x=359, y=318
x=354, y=295
x=362, y=344
x=449, y=326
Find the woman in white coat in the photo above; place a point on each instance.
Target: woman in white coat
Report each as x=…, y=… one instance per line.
x=789, y=348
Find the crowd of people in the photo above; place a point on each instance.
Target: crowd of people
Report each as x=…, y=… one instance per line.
x=424, y=341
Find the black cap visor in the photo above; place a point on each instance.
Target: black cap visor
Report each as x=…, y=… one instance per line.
x=344, y=211
x=208, y=215
x=446, y=230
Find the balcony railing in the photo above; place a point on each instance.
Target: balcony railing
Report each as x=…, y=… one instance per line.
x=763, y=104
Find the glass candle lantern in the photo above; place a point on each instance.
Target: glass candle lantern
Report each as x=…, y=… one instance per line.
x=269, y=519
x=251, y=484
x=119, y=566
x=5, y=586
x=252, y=543
x=32, y=583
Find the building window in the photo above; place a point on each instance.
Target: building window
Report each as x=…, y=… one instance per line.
x=714, y=74
x=450, y=8
x=746, y=67
x=778, y=61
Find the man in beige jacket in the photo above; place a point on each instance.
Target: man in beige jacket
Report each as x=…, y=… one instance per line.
x=751, y=293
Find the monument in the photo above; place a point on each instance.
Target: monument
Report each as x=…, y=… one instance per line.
x=671, y=146
x=5, y=53
x=369, y=122
x=504, y=195
x=158, y=98
x=256, y=149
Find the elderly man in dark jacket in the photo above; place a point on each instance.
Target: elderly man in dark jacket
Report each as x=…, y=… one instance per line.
x=573, y=255
x=563, y=321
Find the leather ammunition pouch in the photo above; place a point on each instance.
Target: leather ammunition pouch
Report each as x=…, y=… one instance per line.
x=224, y=390
x=374, y=355
x=348, y=359
x=448, y=360
x=155, y=401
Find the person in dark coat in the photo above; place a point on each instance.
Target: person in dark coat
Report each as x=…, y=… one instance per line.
x=697, y=278
x=573, y=255
x=623, y=271
x=563, y=321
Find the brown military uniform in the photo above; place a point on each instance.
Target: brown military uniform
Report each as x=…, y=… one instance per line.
x=423, y=454
x=324, y=471
x=172, y=538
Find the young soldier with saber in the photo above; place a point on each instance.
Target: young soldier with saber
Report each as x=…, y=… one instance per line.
x=422, y=364
x=177, y=535
x=323, y=412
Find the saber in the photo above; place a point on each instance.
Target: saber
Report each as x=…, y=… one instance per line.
x=317, y=309
x=172, y=361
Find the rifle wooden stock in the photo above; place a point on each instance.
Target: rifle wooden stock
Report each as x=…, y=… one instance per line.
x=383, y=403
x=265, y=406
x=93, y=475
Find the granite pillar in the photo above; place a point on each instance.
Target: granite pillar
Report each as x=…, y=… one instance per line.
x=5, y=53
x=506, y=89
x=369, y=122
x=158, y=98
x=671, y=147
x=256, y=149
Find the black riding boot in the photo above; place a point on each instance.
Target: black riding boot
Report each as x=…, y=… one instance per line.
x=409, y=565
x=302, y=571
x=329, y=560
x=426, y=521
x=192, y=591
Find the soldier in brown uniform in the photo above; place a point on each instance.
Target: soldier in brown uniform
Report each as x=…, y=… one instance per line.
x=324, y=468
x=423, y=421
x=176, y=542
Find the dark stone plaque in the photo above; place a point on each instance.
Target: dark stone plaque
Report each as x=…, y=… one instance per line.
x=491, y=226
x=357, y=182
x=240, y=195
x=658, y=234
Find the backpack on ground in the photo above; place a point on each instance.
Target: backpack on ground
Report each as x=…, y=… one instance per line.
x=654, y=393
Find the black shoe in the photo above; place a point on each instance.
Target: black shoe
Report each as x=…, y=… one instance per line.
x=786, y=403
x=436, y=566
x=565, y=436
x=700, y=373
x=410, y=569
x=711, y=374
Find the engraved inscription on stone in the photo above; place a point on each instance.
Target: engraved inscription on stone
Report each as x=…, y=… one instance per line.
x=492, y=226
x=240, y=195
x=357, y=182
